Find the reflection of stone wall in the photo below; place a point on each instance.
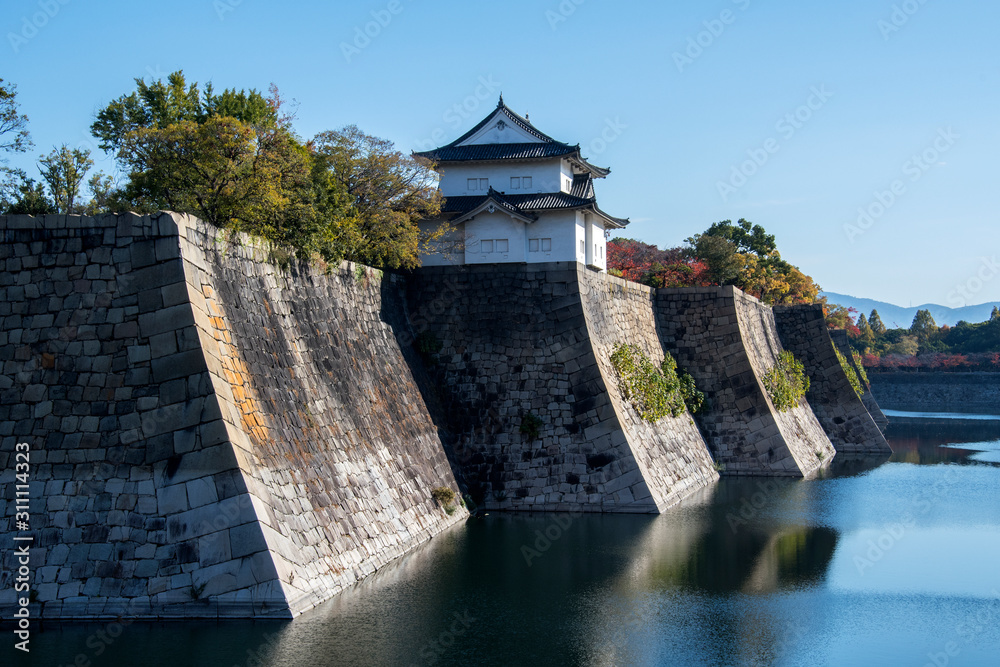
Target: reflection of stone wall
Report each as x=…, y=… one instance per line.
x=839, y=337
x=209, y=436
x=727, y=341
x=841, y=412
x=535, y=339
x=938, y=392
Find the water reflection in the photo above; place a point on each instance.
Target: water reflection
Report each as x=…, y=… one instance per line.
x=747, y=572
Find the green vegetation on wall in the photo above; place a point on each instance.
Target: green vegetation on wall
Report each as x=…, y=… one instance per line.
x=862, y=374
x=852, y=376
x=786, y=382
x=654, y=392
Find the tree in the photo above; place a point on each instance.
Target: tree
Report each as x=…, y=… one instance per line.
x=378, y=195
x=995, y=315
x=839, y=317
x=230, y=159
x=14, y=138
x=160, y=104
x=30, y=199
x=875, y=322
x=745, y=255
x=64, y=170
x=227, y=173
x=863, y=326
x=102, y=191
x=720, y=255
x=923, y=324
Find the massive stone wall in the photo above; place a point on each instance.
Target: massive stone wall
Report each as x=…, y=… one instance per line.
x=837, y=405
x=938, y=392
x=839, y=338
x=534, y=341
x=727, y=341
x=209, y=435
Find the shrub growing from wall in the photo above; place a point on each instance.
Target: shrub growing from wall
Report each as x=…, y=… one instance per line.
x=786, y=382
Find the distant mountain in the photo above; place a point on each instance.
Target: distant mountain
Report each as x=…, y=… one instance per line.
x=899, y=317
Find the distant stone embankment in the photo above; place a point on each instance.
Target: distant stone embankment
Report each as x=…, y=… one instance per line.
x=937, y=392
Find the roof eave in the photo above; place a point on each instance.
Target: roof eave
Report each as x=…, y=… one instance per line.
x=597, y=172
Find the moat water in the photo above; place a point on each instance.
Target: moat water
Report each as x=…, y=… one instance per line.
x=876, y=563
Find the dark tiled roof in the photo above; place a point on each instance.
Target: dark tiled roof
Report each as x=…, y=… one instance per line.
x=499, y=152
x=531, y=202
x=525, y=205
x=583, y=186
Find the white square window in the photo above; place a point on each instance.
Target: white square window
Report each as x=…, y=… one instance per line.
x=515, y=183
x=484, y=184
x=486, y=246
x=526, y=182
x=532, y=245
x=546, y=245
x=473, y=183
x=502, y=245
x=583, y=247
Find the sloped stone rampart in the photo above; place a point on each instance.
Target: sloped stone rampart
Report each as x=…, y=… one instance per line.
x=839, y=338
x=836, y=404
x=520, y=340
x=209, y=436
x=727, y=341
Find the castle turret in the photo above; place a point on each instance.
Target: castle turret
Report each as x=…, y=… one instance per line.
x=515, y=194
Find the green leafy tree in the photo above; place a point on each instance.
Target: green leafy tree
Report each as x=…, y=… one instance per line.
x=923, y=324
x=863, y=327
x=227, y=173
x=745, y=255
x=721, y=255
x=103, y=194
x=30, y=199
x=64, y=170
x=159, y=104
x=14, y=138
x=376, y=195
x=995, y=315
x=229, y=158
x=875, y=322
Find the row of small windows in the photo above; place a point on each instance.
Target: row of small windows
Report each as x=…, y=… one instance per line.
x=516, y=183
x=503, y=245
x=494, y=245
x=539, y=245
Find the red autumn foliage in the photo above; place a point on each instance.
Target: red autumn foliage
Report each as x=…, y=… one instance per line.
x=936, y=361
x=645, y=263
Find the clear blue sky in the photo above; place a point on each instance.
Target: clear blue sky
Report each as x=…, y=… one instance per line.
x=678, y=127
